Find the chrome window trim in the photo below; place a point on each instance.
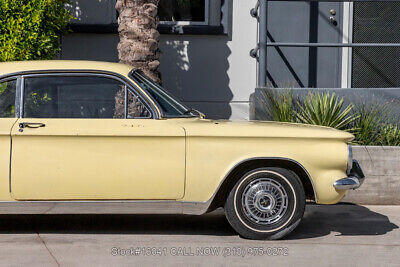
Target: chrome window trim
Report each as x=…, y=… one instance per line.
x=126, y=102
x=130, y=75
x=21, y=97
x=154, y=115
x=6, y=79
x=162, y=113
x=18, y=98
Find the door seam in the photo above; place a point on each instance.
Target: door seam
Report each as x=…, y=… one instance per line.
x=9, y=169
x=185, y=165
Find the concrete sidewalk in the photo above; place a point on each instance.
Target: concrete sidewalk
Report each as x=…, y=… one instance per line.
x=328, y=235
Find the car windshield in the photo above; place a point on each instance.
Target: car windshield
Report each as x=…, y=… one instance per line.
x=170, y=106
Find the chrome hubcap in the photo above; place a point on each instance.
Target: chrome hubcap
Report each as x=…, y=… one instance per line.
x=264, y=201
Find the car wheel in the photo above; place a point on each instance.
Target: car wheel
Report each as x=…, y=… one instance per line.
x=266, y=203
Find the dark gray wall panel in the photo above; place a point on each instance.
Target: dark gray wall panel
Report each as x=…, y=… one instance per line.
x=304, y=22
x=89, y=46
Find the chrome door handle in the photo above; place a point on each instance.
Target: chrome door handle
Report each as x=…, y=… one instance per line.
x=31, y=125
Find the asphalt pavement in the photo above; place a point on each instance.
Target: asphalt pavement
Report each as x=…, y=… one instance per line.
x=345, y=235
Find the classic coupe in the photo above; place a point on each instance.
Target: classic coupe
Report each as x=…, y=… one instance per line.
x=97, y=137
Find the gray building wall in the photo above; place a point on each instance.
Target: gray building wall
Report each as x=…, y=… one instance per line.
x=216, y=75
x=90, y=46
x=212, y=73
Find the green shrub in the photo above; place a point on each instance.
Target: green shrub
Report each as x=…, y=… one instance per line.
x=368, y=123
x=389, y=135
x=325, y=109
x=29, y=30
x=367, y=126
x=371, y=127
x=279, y=105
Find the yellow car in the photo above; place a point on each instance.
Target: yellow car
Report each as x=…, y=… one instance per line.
x=96, y=137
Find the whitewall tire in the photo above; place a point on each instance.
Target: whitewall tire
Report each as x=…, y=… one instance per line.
x=266, y=203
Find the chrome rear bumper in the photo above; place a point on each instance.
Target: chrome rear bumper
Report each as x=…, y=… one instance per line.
x=354, y=179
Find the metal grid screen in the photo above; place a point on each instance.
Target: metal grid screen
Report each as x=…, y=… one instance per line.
x=376, y=67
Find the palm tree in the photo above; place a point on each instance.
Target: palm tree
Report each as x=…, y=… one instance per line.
x=139, y=38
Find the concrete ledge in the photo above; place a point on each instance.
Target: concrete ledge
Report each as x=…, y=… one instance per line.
x=381, y=166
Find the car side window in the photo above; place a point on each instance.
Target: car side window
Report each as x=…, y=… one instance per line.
x=79, y=97
x=7, y=98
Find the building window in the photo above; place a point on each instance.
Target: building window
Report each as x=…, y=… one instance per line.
x=193, y=16
x=176, y=16
x=184, y=12
x=376, y=67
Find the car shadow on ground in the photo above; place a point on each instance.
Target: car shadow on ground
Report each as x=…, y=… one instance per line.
x=209, y=224
x=348, y=220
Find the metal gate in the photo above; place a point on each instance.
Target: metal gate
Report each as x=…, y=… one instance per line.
x=260, y=52
x=260, y=12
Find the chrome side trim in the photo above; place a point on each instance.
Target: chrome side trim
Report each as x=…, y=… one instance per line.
x=103, y=207
x=123, y=206
x=195, y=208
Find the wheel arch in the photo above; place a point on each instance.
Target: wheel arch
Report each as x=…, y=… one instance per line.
x=247, y=165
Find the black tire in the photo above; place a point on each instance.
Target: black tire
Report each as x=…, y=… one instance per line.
x=251, y=197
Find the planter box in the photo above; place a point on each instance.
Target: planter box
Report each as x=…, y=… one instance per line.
x=381, y=166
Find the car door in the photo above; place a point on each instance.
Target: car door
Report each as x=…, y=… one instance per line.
x=7, y=120
x=85, y=136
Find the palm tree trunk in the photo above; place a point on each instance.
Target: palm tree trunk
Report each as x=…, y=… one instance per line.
x=139, y=38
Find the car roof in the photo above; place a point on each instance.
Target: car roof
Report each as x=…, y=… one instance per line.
x=68, y=65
